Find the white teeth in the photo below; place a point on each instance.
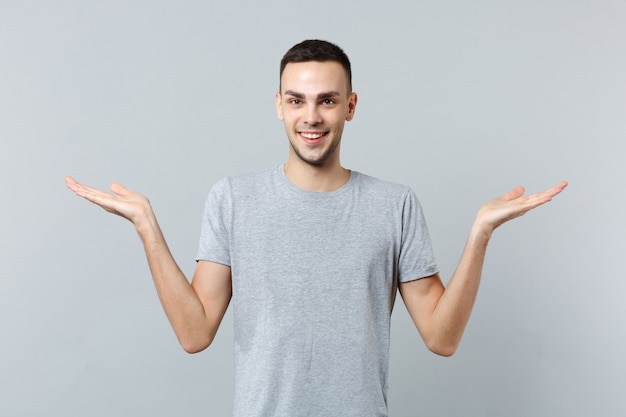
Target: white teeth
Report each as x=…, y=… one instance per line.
x=312, y=135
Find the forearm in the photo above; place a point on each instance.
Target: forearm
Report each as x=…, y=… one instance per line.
x=452, y=312
x=194, y=310
x=441, y=314
x=180, y=301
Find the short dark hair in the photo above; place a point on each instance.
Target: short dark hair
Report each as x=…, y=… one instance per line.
x=320, y=51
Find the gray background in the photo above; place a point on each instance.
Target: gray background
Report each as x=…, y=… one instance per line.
x=460, y=100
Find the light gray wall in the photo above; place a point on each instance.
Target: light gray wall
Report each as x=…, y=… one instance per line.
x=460, y=100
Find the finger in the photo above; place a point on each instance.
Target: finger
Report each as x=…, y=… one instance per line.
x=71, y=183
x=89, y=193
x=75, y=186
x=545, y=196
x=119, y=189
x=516, y=192
x=83, y=190
x=560, y=187
x=557, y=189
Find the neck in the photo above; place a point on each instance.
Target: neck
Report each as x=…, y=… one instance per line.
x=316, y=178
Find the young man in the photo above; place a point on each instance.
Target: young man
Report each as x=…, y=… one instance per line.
x=312, y=255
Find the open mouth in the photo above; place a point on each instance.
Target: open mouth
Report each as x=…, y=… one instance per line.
x=313, y=137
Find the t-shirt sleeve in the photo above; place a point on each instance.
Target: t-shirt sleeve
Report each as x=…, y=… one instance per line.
x=416, y=259
x=214, y=234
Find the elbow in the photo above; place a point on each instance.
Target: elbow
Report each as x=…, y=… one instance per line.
x=191, y=349
x=444, y=351
x=195, y=345
x=443, y=348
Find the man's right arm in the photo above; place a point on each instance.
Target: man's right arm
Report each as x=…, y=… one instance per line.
x=194, y=310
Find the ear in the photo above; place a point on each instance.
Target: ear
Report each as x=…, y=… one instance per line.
x=352, y=100
x=279, y=107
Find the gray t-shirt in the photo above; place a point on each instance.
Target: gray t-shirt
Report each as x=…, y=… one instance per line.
x=314, y=278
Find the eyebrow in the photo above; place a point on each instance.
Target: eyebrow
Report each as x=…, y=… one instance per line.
x=326, y=94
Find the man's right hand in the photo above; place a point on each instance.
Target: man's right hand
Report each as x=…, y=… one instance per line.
x=122, y=201
x=195, y=310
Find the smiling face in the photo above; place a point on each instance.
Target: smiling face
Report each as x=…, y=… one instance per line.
x=314, y=102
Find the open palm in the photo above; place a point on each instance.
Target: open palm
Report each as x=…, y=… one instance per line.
x=514, y=204
x=122, y=201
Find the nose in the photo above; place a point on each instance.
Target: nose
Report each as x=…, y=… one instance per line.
x=312, y=116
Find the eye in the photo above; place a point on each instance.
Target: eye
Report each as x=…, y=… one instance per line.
x=294, y=101
x=328, y=101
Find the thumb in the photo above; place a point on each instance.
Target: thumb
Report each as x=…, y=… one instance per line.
x=514, y=193
x=119, y=189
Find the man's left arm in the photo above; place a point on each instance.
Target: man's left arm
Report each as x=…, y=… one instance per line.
x=441, y=313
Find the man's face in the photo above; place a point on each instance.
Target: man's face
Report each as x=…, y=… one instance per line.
x=314, y=103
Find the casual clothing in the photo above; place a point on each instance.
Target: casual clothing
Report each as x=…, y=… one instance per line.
x=314, y=278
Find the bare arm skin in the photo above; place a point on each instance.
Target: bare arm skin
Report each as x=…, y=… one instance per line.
x=194, y=310
x=441, y=314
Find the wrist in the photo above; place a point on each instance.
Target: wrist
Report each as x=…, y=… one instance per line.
x=481, y=231
x=146, y=223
